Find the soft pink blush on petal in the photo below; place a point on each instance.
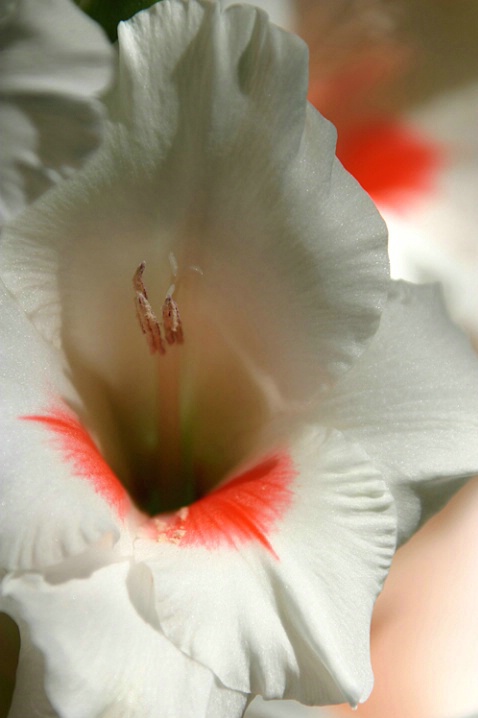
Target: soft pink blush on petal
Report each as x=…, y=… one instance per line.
x=424, y=647
x=78, y=449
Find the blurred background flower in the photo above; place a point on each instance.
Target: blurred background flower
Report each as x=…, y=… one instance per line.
x=399, y=79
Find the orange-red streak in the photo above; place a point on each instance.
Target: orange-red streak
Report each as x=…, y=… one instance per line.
x=246, y=508
x=79, y=450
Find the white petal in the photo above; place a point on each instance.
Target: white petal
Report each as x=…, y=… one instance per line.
x=45, y=139
x=212, y=156
x=49, y=506
x=412, y=402
x=53, y=62
x=274, y=589
x=57, y=49
x=102, y=658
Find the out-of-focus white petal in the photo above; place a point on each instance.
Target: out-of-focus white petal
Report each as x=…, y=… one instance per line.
x=49, y=506
x=434, y=237
x=412, y=402
x=103, y=658
x=57, y=49
x=270, y=581
x=53, y=62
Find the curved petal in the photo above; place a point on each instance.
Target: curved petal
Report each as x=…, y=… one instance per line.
x=412, y=402
x=53, y=62
x=102, y=658
x=51, y=506
x=276, y=598
x=214, y=157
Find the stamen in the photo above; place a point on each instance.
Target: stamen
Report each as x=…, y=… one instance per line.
x=173, y=328
x=146, y=317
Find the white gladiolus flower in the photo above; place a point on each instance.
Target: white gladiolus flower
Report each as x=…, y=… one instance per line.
x=54, y=62
x=201, y=502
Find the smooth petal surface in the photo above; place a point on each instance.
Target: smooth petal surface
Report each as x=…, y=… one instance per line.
x=412, y=403
x=102, y=658
x=282, y=612
x=53, y=62
x=49, y=507
x=214, y=157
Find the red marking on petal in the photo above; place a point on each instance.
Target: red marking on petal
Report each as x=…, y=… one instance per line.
x=244, y=509
x=392, y=162
x=80, y=451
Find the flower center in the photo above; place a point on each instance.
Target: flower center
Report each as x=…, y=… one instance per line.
x=183, y=374
x=185, y=413
x=165, y=476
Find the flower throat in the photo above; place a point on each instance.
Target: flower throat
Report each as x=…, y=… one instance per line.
x=166, y=477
